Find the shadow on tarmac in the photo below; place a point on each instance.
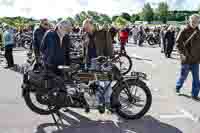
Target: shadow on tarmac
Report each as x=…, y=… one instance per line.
x=190, y=97
x=147, y=124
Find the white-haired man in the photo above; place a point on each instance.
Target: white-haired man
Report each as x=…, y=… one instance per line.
x=55, y=46
x=188, y=44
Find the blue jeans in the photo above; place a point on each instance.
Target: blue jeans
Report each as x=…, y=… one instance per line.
x=103, y=84
x=185, y=69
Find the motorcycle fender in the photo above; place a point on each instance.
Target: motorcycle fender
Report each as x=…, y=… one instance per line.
x=127, y=78
x=26, y=88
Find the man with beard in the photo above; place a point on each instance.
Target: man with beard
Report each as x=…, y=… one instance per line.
x=188, y=44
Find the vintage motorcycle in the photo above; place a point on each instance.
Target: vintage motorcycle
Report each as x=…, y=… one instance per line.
x=131, y=98
x=153, y=38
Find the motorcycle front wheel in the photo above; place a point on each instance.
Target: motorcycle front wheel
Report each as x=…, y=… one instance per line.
x=133, y=100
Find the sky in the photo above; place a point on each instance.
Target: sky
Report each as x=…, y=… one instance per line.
x=54, y=9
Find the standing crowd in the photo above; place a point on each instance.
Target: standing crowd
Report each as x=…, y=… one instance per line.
x=53, y=44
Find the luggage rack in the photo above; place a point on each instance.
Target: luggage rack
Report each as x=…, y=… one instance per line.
x=139, y=75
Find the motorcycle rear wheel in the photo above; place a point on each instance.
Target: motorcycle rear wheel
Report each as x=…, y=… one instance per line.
x=151, y=41
x=119, y=63
x=29, y=102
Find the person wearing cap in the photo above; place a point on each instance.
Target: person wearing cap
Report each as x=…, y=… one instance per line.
x=55, y=46
x=8, y=41
x=188, y=45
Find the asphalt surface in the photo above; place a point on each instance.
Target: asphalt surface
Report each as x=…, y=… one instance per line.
x=169, y=113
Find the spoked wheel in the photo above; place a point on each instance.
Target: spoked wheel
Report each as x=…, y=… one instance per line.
x=38, y=103
x=124, y=63
x=133, y=101
x=151, y=42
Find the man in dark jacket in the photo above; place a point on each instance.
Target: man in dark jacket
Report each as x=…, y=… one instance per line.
x=169, y=41
x=38, y=36
x=188, y=44
x=141, y=35
x=55, y=47
x=113, y=32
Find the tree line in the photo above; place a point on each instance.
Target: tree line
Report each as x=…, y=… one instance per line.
x=148, y=14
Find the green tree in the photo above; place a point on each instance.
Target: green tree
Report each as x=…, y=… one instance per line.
x=105, y=19
x=59, y=19
x=162, y=12
x=71, y=20
x=120, y=22
x=114, y=18
x=135, y=17
x=78, y=20
x=94, y=15
x=126, y=16
x=147, y=13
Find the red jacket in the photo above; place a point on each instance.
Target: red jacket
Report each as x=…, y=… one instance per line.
x=123, y=36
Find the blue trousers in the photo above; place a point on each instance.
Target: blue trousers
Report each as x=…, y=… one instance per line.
x=185, y=69
x=103, y=84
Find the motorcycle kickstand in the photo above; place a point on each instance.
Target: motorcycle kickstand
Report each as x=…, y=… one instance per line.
x=57, y=121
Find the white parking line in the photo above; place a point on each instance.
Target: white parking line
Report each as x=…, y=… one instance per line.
x=184, y=114
x=20, y=53
x=144, y=60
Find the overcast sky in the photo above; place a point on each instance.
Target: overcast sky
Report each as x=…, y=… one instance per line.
x=58, y=8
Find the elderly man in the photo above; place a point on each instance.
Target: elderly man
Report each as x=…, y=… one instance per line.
x=188, y=44
x=55, y=46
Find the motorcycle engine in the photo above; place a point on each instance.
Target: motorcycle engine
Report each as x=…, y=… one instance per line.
x=55, y=97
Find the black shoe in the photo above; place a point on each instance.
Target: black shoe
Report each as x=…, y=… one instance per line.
x=177, y=91
x=101, y=108
x=87, y=109
x=8, y=67
x=168, y=56
x=196, y=98
x=109, y=108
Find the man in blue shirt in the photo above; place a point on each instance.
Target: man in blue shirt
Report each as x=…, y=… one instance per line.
x=8, y=40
